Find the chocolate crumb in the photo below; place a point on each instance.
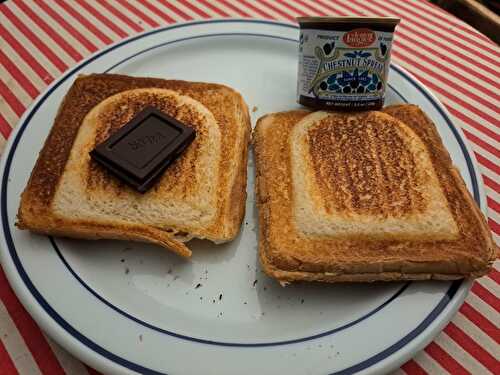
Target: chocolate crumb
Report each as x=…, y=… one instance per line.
x=302, y=300
x=265, y=288
x=201, y=298
x=122, y=260
x=220, y=297
x=127, y=270
x=255, y=282
x=213, y=301
x=197, y=286
x=244, y=303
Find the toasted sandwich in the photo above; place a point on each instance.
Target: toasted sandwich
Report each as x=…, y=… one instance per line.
x=364, y=197
x=201, y=195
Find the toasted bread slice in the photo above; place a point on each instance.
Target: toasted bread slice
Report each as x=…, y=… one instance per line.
x=364, y=197
x=202, y=194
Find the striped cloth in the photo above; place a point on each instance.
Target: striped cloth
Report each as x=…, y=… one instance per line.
x=39, y=40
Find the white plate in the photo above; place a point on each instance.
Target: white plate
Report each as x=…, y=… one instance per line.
x=123, y=306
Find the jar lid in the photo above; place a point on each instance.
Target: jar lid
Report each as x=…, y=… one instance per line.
x=361, y=20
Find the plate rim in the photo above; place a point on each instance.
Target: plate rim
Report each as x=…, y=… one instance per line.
x=46, y=320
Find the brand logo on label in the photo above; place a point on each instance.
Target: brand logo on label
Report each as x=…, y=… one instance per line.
x=359, y=38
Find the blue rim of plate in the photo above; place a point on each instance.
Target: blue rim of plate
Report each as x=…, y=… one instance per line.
x=136, y=367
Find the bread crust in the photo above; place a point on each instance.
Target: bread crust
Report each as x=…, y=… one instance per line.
x=287, y=256
x=227, y=106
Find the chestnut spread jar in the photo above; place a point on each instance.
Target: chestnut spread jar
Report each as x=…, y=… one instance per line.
x=344, y=62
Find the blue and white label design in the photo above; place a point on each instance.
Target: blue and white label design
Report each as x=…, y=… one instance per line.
x=344, y=65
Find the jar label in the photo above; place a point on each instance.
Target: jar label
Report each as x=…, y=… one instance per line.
x=344, y=66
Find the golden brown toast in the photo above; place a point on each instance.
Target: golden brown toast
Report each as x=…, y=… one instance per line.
x=364, y=197
x=202, y=194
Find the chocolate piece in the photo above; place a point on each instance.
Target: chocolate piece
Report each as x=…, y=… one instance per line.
x=141, y=150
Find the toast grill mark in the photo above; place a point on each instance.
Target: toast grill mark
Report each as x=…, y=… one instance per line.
x=364, y=167
x=181, y=173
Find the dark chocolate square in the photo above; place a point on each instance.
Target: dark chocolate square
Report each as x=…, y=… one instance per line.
x=140, y=151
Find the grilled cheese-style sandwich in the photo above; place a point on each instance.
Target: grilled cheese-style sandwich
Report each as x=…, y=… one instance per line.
x=364, y=197
x=202, y=194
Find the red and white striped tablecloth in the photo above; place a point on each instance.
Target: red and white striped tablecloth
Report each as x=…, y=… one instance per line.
x=41, y=39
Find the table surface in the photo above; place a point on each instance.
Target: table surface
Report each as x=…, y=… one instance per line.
x=40, y=40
